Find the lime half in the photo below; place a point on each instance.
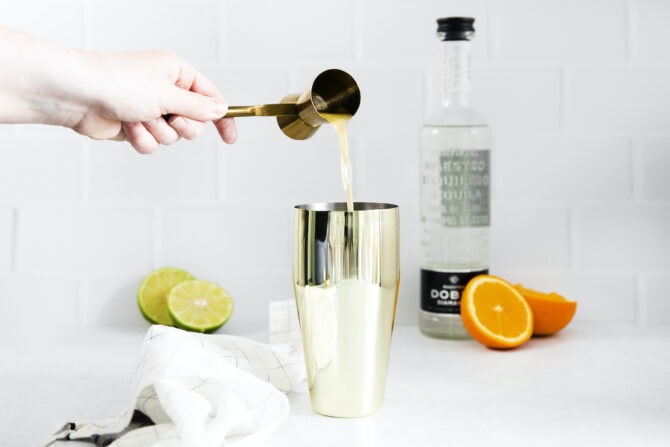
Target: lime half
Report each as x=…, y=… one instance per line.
x=199, y=305
x=153, y=292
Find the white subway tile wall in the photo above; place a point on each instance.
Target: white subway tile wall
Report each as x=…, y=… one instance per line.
x=6, y=238
x=576, y=92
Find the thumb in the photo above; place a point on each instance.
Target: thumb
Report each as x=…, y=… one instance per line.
x=194, y=105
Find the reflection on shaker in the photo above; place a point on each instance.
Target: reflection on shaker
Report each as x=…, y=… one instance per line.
x=320, y=329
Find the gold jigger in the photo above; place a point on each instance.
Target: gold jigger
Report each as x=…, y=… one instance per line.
x=300, y=116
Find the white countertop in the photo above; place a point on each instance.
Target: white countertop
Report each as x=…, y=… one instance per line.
x=586, y=386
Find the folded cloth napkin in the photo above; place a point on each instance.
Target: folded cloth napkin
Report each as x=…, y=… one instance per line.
x=198, y=390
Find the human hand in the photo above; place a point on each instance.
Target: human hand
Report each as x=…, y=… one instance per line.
x=148, y=99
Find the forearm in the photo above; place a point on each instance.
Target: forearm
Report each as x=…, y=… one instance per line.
x=34, y=82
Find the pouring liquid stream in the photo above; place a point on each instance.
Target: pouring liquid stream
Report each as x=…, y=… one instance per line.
x=339, y=121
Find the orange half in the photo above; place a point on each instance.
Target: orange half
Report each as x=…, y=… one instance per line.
x=551, y=311
x=495, y=313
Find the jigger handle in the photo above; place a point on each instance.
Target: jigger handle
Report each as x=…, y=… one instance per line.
x=287, y=109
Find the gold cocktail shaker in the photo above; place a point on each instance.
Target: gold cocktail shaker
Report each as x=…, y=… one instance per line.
x=346, y=275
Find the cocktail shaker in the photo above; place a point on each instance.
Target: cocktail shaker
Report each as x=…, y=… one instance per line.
x=346, y=275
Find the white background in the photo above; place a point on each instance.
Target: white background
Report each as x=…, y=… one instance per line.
x=577, y=94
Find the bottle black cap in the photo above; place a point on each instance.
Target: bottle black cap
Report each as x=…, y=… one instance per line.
x=455, y=28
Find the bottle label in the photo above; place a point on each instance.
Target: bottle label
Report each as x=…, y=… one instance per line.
x=441, y=291
x=465, y=188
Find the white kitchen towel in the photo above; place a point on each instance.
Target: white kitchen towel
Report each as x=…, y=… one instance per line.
x=206, y=390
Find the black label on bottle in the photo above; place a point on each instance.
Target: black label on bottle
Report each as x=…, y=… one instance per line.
x=441, y=291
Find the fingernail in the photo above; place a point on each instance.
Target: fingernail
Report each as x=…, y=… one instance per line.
x=220, y=108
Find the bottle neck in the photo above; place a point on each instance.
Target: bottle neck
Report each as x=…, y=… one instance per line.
x=455, y=84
